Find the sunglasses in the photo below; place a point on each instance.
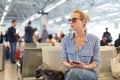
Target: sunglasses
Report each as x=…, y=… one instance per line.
x=73, y=20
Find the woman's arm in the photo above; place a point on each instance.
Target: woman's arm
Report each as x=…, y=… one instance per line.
x=90, y=66
x=95, y=59
x=67, y=65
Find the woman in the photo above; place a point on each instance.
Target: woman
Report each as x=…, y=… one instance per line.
x=81, y=50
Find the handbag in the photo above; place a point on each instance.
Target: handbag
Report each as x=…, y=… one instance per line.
x=115, y=66
x=49, y=73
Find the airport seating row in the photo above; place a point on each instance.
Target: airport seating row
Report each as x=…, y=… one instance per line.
x=36, y=54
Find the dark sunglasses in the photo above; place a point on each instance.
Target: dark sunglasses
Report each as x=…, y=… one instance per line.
x=74, y=20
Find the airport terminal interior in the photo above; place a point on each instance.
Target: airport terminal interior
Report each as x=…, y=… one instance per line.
x=33, y=38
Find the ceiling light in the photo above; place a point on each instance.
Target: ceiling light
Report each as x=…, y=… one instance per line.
x=50, y=22
x=27, y=21
x=58, y=19
x=32, y=17
x=23, y=24
x=91, y=23
x=60, y=2
x=104, y=5
x=63, y=25
x=49, y=6
x=38, y=15
x=6, y=7
x=9, y=0
x=112, y=14
x=118, y=19
x=54, y=6
x=94, y=18
x=2, y=20
x=104, y=21
x=49, y=9
x=4, y=14
x=67, y=17
x=85, y=11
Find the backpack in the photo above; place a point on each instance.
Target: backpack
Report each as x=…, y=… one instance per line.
x=17, y=54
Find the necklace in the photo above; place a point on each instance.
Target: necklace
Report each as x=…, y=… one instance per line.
x=79, y=42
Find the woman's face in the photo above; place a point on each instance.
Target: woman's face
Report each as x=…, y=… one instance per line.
x=76, y=22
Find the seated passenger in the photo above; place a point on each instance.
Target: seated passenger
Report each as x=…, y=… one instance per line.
x=80, y=50
x=61, y=36
x=50, y=39
x=117, y=42
x=103, y=42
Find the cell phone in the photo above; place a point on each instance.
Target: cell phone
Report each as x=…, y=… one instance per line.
x=76, y=62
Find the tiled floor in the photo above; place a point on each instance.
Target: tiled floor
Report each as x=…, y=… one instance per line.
x=9, y=73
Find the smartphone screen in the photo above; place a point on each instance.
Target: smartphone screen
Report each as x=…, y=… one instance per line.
x=75, y=62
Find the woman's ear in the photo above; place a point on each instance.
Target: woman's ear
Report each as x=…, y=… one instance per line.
x=84, y=22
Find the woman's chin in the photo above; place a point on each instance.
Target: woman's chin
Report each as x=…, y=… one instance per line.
x=73, y=29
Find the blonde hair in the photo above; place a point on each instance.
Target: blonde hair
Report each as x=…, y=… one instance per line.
x=83, y=16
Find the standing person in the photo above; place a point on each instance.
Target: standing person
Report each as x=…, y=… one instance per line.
x=44, y=35
x=12, y=38
x=80, y=50
x=1, y=38
x=107, y=35
x=29, y=33
x=6, y=36
x=56, y=37
x=35, y=35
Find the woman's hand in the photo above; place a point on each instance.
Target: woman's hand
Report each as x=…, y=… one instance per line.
x=77, y=65
x=82, y=65
x=72, y=64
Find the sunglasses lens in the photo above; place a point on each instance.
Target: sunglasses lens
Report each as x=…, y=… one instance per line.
x=73, y=20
